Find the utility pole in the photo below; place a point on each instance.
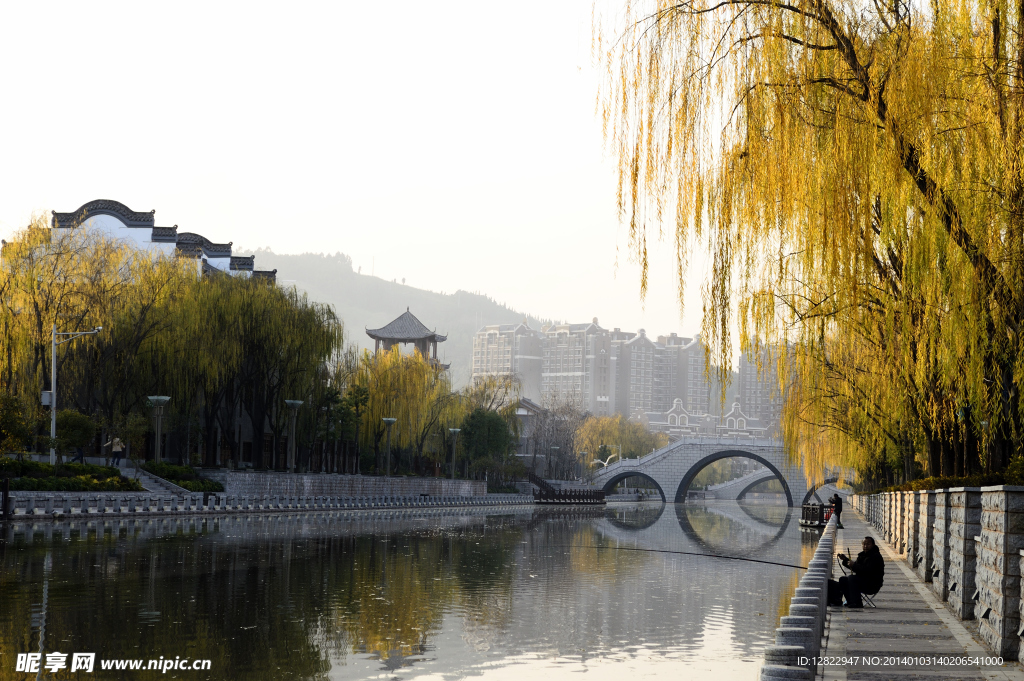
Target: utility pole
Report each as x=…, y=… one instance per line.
x=293, y=405
x=71, y=335
x=388, y=422
x=455, y=436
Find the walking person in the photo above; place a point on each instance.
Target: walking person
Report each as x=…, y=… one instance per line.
x=116, y=448
x=837, y=509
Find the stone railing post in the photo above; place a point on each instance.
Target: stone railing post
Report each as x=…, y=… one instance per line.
x=922, y=562
x=964, y=525
x=913, y=526
x=940, y=545
x=998, y=606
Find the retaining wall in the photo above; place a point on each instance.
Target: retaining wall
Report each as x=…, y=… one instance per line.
x=265, y=483
x=24, y=505
x=975, y=537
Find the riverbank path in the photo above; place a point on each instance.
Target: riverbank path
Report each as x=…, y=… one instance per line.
x=908, y=622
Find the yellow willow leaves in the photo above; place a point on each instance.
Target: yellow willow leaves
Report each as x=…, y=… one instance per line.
x=78, y=279
x=166, y=329
x=853, y=171
x=412, y=390
x=619, y=435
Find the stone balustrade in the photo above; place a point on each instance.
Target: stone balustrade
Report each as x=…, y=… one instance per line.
x=969, y=543
x=25, y=504
x=798, y=637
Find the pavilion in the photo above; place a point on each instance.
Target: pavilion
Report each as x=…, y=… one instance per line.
x=407, y=329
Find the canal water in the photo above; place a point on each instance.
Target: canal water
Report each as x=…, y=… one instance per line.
x=485, y=593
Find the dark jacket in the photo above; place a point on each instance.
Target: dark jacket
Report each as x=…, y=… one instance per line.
x=837, y=504
x=870, y=569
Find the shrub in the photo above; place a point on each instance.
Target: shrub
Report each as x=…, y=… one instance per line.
x=76, y=484
x=33, y=476
x=976, y=480
x=201, y=485
x=169, y=471
x=182, y=476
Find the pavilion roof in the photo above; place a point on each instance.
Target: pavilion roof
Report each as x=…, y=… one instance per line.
x=405, y=328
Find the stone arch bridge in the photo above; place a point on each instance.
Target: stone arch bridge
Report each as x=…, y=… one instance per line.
x=674, y=467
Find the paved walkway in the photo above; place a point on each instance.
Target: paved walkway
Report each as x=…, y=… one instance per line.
x=909, y=621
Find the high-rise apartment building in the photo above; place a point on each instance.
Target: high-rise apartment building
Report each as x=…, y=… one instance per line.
x=577, y=366
x=502, y=349
x=634, y=388
x=617, y=372
x=758, y=389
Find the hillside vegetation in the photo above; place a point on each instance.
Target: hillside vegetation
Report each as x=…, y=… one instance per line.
x=366, y=302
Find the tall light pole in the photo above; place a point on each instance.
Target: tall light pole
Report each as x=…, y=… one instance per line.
x=71, y=335
x=158, y=402
x=455, y=436
x=388, y=422
x=293, y=405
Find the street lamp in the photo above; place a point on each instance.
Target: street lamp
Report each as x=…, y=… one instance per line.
x=158, y=402
x=455, y=436
x=294, y=406
x=387, y=464
x=71, y=335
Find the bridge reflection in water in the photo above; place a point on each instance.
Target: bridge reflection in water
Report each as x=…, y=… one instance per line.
x=348, y=596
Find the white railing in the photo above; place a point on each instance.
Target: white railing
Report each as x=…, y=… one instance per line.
x=633, y=464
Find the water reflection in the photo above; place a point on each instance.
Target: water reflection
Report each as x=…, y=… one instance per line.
x=408, y=594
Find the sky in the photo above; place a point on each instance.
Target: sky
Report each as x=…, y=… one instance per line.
x=452, y=144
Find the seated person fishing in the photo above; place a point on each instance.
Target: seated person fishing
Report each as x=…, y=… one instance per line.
x=868, y=574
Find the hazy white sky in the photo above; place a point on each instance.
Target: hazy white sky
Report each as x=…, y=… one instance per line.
x=454, y=144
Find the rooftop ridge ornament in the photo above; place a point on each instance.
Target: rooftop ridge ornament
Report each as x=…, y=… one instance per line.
x=117, y=209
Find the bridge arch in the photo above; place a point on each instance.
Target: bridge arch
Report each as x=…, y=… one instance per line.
x=725, y=454
x=751, y=486
x=828, y=481
x=616, y=479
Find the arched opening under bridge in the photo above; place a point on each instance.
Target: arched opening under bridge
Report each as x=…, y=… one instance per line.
x=827, y=481
x=691, y=474
x=649, y=483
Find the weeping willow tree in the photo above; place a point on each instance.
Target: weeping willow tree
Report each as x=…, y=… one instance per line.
x=417, y=393
x=80, y=279
x=852, y=170
x=221, y=347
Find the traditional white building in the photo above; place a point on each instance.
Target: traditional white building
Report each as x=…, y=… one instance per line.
x=678, y=422
x=120, y=222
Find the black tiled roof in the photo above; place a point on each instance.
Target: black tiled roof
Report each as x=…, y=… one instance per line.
x=190, y=240
x=122, y=212
x=407, y=328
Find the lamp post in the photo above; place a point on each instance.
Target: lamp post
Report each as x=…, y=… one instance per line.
x=553, y=454
x=455, y=436
x=293, y=405
x=71, y=335
x=158, y=402
x=388, y=422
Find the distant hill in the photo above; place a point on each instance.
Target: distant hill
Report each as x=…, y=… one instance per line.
x=366, y=302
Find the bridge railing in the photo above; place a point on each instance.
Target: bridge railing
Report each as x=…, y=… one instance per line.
x=647, y=459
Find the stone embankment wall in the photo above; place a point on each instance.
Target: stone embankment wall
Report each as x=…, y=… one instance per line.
x=798, y=638
x=969, y=543
x=258, y=484
x=23, y=505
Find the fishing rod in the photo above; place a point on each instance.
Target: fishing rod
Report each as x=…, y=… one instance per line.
x=689, y=553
